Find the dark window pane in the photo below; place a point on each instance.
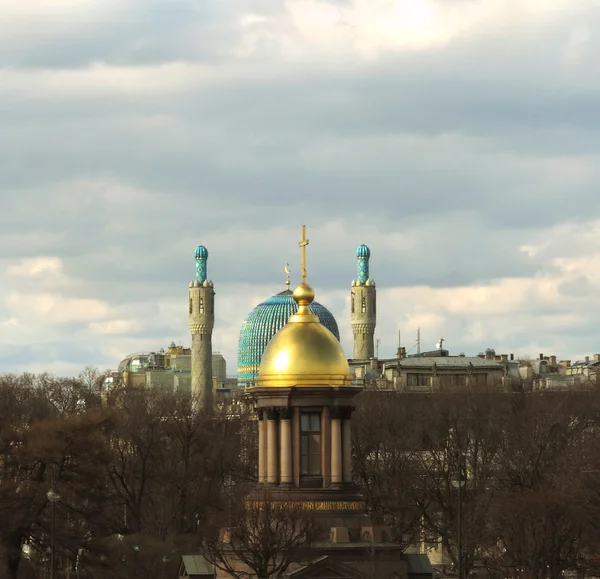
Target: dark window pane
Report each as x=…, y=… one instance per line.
x=304, y=422
x=304, y=444
x=314, y=422
x=315, y=464
x=304, y=465
x=315, y=443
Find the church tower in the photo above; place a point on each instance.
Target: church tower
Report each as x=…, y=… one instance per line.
x=304, y=401
x=363, y=309
x=202, y=321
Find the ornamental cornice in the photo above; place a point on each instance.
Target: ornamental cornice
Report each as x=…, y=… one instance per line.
x=362, y=328
x=204, y=329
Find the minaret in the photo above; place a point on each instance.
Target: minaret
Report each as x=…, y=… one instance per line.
x=202, y=321
x=363, y=307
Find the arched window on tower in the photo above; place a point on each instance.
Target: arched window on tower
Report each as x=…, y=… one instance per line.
x=374, y=306
x=201, y=308
x=191, y=306
x=363, y=305
x=352, y=303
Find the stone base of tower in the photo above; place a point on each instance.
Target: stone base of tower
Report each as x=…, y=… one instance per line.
x=348, y=545
x=343, y=507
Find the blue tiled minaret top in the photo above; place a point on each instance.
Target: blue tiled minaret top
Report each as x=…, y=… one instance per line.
x=363, y=253
x=262, y=323
x=201, y=255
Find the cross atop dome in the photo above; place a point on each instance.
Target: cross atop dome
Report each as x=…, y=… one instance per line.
x=302, y=244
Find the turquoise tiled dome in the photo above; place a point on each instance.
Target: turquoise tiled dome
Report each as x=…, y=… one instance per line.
x=363, y=251
x=201, y=252
x=263, y=322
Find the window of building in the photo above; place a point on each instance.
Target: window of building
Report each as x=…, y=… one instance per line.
x=191, y=306
x=374, y=306
x=310, y=443
x=455, y=380
x=352, y=304
x=363, y=304
x=418, y=380
x=480, y=380
x=201, y=308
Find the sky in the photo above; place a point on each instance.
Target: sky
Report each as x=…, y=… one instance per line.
x=458, y=139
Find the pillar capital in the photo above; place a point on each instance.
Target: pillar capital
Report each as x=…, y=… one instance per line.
x=273, y=413
x=285, y=413
x=341, y=412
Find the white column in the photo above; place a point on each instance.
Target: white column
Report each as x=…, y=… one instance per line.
x=346, y=450
x=272, y=445
x=285, y=433
x=262, y=447
x=336, y=446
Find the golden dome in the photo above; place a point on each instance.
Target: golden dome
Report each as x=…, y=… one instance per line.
x=303, y=352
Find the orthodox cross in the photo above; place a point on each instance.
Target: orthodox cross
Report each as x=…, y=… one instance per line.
x=303, y=243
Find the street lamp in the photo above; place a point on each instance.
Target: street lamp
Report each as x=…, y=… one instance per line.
x=53, y=497
x=458, y=483
x=136, y=551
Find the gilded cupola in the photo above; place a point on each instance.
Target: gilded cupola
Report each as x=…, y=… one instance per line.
x=304, y=352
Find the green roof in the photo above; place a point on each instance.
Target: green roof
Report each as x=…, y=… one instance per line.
x=197, y=565
x=418, y=564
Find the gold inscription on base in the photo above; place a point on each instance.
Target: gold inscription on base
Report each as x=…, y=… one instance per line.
x=312, y=505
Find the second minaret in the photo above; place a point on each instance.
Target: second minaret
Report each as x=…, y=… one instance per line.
x=363, y=308
x=202, y=321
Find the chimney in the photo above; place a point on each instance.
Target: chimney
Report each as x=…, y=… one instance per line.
x=553, y=361
x=512, y=356
x=373, y=363
x=401, y=353
x=587, y=359
x=504, y=358
x=596, y=357
x=541, y=356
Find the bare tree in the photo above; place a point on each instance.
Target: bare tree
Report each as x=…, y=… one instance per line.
x=458, y=465
x=39, y=437
x=267, y=538
x=541, y=511
x=386, y=460
x=92, y=378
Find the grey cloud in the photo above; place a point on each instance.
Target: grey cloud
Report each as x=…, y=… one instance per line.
x=460, y=149
x=132, y=32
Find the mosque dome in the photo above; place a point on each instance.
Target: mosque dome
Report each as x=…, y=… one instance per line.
x=201, y=252
x=363, y=251
x=303, y=352
x=263, y=322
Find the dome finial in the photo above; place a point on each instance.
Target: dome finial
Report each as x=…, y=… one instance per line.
x=201, y=255
x=303, y=243
x=287, y=271
x=363, y=253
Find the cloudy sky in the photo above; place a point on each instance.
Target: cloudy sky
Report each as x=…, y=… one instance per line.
x=459, y=139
